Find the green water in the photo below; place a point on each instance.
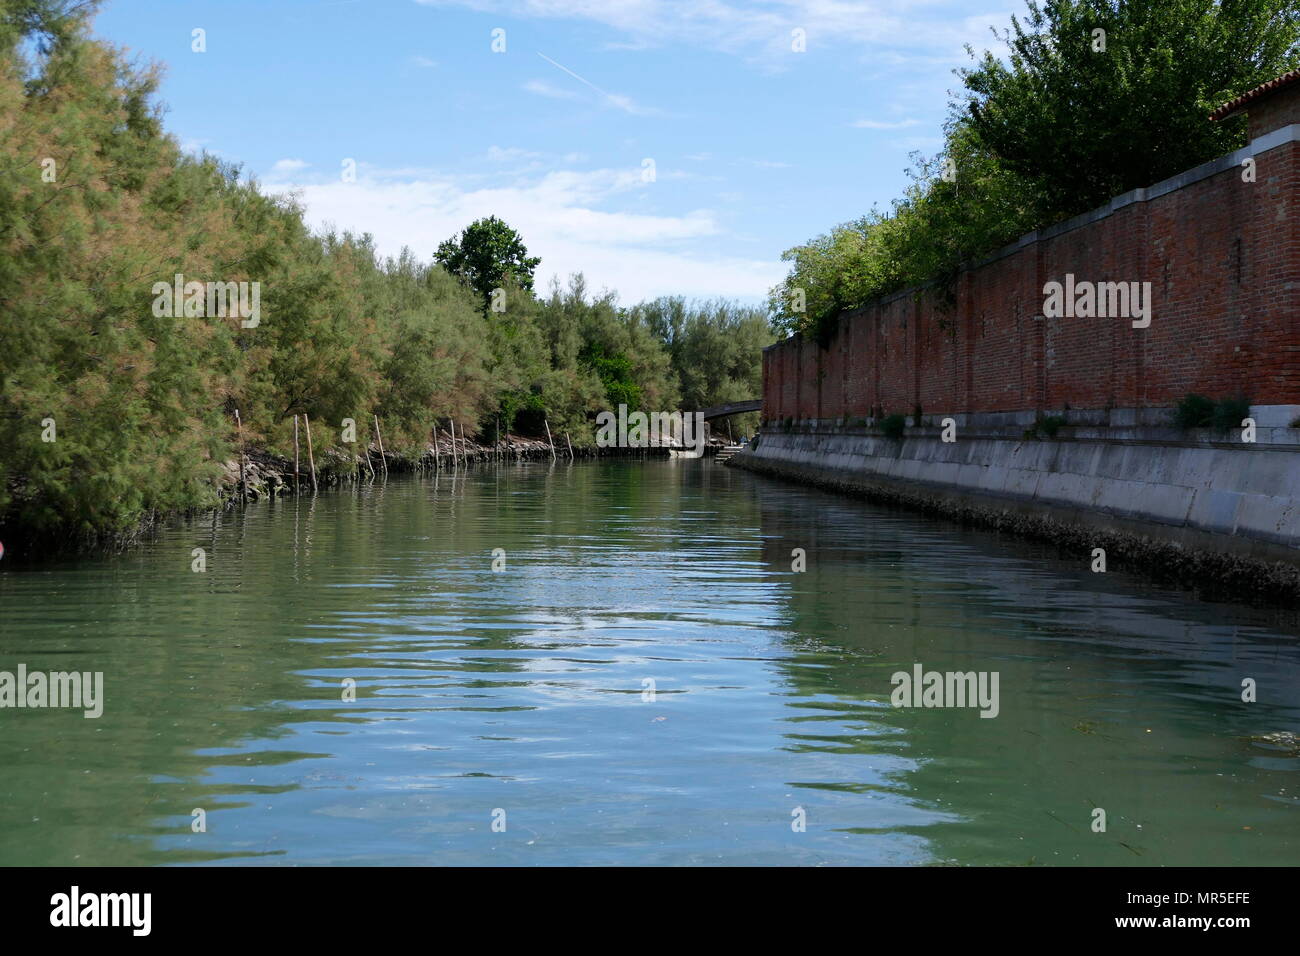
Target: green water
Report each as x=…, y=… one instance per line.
x=525, y=690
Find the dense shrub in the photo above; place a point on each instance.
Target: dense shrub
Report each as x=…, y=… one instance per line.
x=893, y=426
x=1200, y=411
x=1194, y=411
x=1049, y=425
x=142, y=407
x=1229, y=413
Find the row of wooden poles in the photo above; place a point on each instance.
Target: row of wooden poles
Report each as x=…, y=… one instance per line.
x=383, y=458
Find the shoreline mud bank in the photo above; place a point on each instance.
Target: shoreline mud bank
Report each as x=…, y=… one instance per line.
x=267, y=475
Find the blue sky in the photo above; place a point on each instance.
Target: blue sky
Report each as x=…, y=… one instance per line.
x=755, y=147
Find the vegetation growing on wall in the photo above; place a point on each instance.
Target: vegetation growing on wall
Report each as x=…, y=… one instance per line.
x=1069, y=118
x=1200, y=411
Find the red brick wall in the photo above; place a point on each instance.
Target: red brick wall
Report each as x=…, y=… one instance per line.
x=1223, y=259
x=1273, y=112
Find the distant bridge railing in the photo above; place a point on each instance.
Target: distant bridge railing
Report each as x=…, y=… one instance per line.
x=731, y=408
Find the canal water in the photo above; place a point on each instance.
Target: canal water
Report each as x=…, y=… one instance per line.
x=643, y=679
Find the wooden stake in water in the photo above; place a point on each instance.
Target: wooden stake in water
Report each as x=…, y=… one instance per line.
x=311, y=456
x=382, y=457
x=370, y=467
x=437, y=458
x=243, y=484
x=549, y=441
x=570, y=444
x=295, y=456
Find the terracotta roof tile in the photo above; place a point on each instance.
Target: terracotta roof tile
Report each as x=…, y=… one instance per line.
x=1232, y=107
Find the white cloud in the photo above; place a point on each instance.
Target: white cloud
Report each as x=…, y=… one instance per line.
x=628, y=105
x=542, y=88
x=565, y=216
x=289, y=165
x=760, y=29
x=510, y=154
x=424, y=62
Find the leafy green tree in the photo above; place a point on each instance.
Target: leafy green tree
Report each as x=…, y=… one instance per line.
x=47, y=23
x=715, y=349
x=1071, y=118
x=1099, y=97
x=113, y=413
x=487, y=255
x=615, y=373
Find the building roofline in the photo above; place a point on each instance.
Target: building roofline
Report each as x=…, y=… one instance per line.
x=1233, y=107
